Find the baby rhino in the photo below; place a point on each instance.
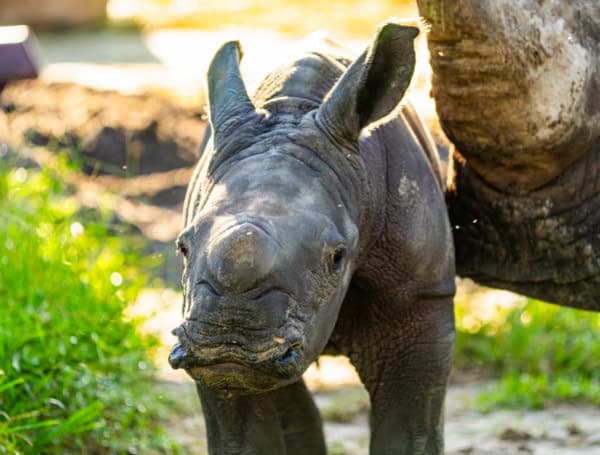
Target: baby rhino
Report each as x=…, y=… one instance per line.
x=315, y=221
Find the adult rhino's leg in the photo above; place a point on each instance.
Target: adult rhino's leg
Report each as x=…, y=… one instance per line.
x=403, y=357
x=283, y=421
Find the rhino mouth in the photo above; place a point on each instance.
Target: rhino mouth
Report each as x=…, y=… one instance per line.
x=232, y=361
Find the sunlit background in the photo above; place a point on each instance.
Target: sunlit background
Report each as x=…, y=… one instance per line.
x=164, y=46
x=345, y=17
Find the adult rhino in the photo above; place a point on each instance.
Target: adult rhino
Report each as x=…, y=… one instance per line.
x=317, y=221
x=517, y=88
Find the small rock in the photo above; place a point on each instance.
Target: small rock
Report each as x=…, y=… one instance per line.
x=511, y=434
x=574, y=430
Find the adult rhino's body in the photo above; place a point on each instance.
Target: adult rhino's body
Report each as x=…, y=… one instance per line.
x=517, y=88
x=304, y=235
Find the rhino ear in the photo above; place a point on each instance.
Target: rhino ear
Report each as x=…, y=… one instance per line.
x=373, y=85
x=228, y=99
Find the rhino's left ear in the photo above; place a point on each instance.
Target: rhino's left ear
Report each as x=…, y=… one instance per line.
x=372, y=86
x=228, y=100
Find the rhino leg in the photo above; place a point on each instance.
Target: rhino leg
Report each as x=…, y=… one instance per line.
x=403, y=357
x=283, y=421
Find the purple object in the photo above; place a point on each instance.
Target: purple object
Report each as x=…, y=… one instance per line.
x=17, y=54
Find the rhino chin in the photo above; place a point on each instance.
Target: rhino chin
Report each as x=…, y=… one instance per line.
x=233, y=369
x=241, y=379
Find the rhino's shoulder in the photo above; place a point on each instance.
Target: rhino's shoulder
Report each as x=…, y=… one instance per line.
x=406, y=138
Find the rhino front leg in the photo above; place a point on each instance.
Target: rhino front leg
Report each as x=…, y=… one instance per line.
x=283, y=421
x=403, y=357
x=300, y=421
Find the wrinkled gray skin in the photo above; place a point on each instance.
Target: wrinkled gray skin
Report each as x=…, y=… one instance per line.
x=517, y=88
x=304, y=235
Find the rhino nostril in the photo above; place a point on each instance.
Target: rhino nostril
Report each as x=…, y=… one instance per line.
x=288, y=357
x=180, y=357
x=178, y=331
x=292, y=353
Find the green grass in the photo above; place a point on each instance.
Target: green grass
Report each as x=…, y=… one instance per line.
x=75, y=376
x=540, y=353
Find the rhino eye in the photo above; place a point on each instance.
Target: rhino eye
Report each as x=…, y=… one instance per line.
x=337, y=258
x=182, y=247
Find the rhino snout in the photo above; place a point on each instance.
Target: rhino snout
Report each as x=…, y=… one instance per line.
x=242, y=256
x=275, y=354
x=180, y=357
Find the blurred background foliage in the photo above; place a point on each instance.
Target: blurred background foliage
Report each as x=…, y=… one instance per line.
x=345, y=17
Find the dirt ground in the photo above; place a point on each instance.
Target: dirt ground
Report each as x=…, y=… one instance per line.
x=137, y=151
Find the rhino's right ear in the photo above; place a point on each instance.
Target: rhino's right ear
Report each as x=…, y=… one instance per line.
x=372, y=86
x=228, y=100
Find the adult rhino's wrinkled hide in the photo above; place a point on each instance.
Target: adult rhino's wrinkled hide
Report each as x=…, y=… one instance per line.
x=517, y=89
x=316, y=221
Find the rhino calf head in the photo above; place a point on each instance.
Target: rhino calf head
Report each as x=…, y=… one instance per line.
x=276, y=213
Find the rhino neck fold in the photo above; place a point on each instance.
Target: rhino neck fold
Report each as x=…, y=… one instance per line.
x=516, y=84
